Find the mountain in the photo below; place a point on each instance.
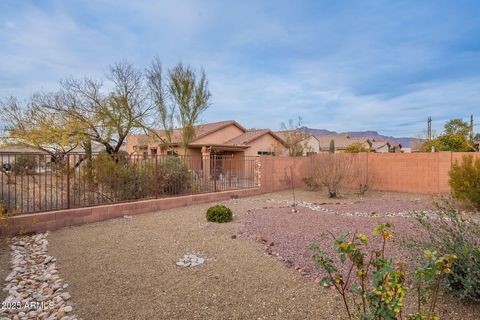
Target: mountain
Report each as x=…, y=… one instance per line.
x=404, y=141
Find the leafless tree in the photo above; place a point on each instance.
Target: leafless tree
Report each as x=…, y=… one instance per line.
x=107, y=117
x=331, y=170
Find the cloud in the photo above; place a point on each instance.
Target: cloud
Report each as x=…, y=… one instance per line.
x=377, y=66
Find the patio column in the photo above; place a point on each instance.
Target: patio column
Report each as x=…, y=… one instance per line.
x=206, y=163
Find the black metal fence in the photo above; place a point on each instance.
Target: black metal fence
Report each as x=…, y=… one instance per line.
x=37, y=182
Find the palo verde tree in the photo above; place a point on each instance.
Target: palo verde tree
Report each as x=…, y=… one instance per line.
x=179, y=101
x=191, y=96
x=33, y=125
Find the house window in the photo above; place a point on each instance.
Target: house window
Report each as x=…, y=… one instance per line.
x=266, y=153
x=153, y=151
x=172, y=153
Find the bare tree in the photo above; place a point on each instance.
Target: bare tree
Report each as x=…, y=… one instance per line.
x=361, y=177
x=331, y=170
x=108, y=117
x=295, y=138
x=191, y=96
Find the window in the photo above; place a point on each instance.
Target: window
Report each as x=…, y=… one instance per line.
x=172, y=153
x=153, y=151
x=266, y=153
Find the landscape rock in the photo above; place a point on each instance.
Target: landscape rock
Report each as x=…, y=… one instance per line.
x=34, y=282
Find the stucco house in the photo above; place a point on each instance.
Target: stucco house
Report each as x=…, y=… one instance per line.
x=310, y=143
x=343, y=141
x=217, y=138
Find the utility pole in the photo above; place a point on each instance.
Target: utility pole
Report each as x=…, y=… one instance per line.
x=429, y=128
x=471, y=127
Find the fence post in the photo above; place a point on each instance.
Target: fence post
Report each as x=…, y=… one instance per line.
x=156, y=177
x=214, y=173
x=68, y=182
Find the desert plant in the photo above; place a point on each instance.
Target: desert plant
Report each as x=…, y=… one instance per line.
x=356, y=147
x=454, y=233
x=331, y=170
x=25, y=164
x=311, y=184
x=373, y=286
x=173, y=176
x=119, y=179
x=465, y=180
x=219, y=213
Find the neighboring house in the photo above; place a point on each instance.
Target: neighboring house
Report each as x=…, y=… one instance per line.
x=218, y=138
x=384, y=146
x=343, y=141
x=8, y=154
x=310, y=143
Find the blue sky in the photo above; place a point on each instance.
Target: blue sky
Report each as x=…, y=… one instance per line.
x=341, y=65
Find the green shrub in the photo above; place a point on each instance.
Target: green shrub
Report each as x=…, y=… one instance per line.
x=219, y=213
x=452, y=232
x=374, y=287
x=465, y=180
x=25, y=164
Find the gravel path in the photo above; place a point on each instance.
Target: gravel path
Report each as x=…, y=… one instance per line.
x=126, y=268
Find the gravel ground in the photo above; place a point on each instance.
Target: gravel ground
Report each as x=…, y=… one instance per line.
x=286, y=235
x=4, y=263
x=125, y=268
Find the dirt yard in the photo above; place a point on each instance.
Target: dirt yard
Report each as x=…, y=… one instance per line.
x=125, y=268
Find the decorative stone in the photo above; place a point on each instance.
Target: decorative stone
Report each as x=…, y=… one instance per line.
x=34, y=279
x=190, y=260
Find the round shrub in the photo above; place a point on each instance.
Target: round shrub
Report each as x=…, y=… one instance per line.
x=219, y=213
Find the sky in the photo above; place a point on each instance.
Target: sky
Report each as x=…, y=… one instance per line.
x=340, y=65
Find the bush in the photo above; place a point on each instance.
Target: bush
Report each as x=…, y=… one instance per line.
x=311, y=184
x=465, y=180
x=219, y=213
x=451, y=232
x=25, y=164
x=121, y=180
x=372, y=285
x=173, y=176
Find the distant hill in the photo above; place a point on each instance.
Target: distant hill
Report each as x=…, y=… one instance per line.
x=404, y=141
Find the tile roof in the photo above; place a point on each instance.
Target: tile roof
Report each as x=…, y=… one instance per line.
x=247, y=137
x=201, y=130
x=341, y=141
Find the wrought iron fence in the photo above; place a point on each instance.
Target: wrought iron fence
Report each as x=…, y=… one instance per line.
x=37, y=182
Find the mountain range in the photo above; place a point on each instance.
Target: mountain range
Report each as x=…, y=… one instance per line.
x=404, y=141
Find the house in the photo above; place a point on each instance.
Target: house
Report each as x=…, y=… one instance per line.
x=309, y=143
x=341, y=142
x=218, y=138
x=383, y=146
x=217, y=150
